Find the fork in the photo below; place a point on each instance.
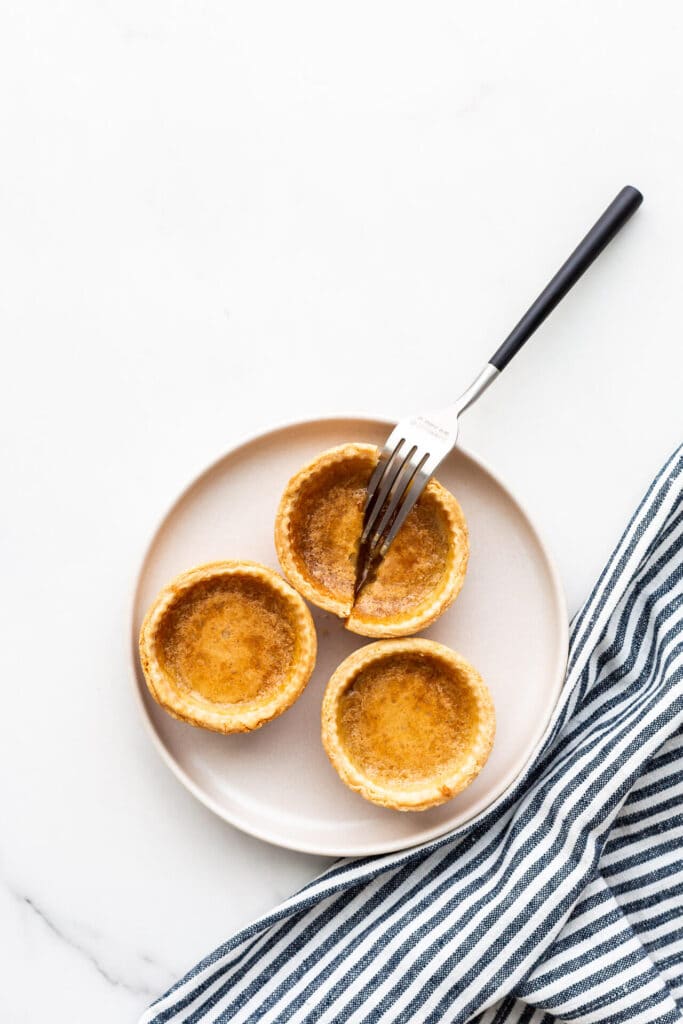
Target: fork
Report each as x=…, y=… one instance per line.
x=419, y=444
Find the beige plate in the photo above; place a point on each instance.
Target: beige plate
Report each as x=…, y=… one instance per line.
x=510, y=621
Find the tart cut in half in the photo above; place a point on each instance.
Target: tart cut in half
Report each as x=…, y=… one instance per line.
x=317, y=536
x=408, y=724
x=227, y=646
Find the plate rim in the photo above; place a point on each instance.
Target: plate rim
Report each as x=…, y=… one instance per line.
x=248, y=827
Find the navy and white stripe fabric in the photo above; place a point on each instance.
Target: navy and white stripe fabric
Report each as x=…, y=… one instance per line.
x=564, y=901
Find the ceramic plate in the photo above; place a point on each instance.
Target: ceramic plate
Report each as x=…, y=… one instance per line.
x=510, y=621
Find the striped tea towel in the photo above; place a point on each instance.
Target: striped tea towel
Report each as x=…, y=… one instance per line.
x=563, y=901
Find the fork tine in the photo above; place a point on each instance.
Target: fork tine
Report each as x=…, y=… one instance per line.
x=378, y=499
x=387, y=455
x=389, y=452
x=410, y=497
x=410, y=467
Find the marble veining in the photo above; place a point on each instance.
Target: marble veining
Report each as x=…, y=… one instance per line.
x=97, y=949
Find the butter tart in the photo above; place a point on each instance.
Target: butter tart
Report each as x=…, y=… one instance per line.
x=227, y=646
x=317, y=535
x=408, y=724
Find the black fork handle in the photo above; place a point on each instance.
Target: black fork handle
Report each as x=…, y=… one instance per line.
x=602, y=232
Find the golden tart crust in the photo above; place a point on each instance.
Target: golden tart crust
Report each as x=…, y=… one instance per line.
x=408, y=724
x=317, y=531
x=227, y=646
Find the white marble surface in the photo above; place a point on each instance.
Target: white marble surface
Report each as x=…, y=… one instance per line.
x=211, y=217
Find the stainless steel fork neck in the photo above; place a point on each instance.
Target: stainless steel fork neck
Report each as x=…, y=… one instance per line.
x=476, y=388
x=443, y=423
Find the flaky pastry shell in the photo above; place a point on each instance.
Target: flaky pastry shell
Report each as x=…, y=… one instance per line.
x=407, y=724
x=227, y=646
x=317, y=531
